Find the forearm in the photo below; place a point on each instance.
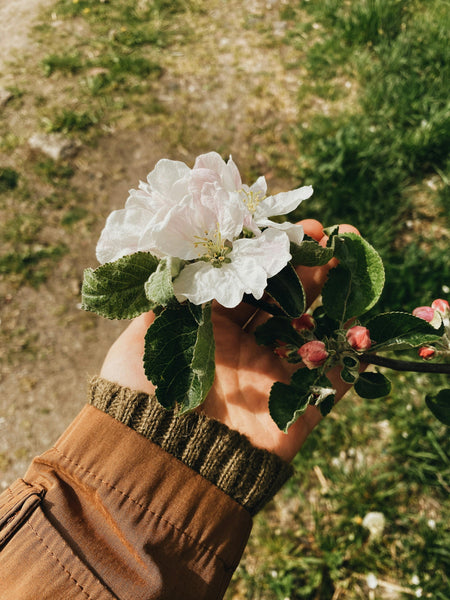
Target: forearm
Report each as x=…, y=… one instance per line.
x=163, y=511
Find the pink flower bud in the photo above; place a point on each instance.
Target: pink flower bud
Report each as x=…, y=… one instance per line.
x=441, y=305
x=424, y=312
x=305, y=322
x=426, y=352
x=359, y=337
x=313, y=354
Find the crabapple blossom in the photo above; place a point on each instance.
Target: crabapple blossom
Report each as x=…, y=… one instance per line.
x=260, y=207
x=313, y=354
x=359, y=337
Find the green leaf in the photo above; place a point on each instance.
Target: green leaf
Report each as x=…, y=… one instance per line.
x=288, y=402
x=355, y=285
x=439, y=405
x=310, y=254
x=372, y=385
x=326, y=405
x=349, y=376
x=286, y=289
x=116, y=290
x=179, y=355
x=277, y=328
x=401, y=330
x=159, y=288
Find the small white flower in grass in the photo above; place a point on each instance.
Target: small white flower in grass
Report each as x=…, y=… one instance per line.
x=419, y=593
x=431, y=523
x=375, y=523
x=415, y=580
x=372, y=581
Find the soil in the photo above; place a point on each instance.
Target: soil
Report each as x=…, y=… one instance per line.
x=233, y=89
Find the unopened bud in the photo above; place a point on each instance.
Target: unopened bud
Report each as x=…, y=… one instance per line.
x=313, y=354
x=441, y=305
x=424, y=312
x=426, y=352
x=428, y=313
x=359, y=337
x=305, y=322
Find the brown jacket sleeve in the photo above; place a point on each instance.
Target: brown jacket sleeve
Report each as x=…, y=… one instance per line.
x=108, y=513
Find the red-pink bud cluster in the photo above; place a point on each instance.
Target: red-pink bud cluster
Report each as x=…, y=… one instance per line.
x=359, y=337
x=426, y=352
x=313, y=354
x=303, y=323
x=436, y=314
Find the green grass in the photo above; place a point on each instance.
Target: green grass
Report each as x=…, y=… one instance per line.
x=111, y=67
x=8, y=179
x=364, y=158
x=389, y=456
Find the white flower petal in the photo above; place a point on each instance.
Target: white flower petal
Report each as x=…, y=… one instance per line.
x=122, y=233
x=260, y=186
x=166, y=174
x=294, y=232
x=227, y=172
x=282, y=203
x=186, y=229
x=201, y=282
x=270, y=250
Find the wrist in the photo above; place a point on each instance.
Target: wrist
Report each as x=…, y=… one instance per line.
x=223, y=456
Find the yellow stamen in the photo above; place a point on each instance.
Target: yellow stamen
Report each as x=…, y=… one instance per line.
x=252, y=199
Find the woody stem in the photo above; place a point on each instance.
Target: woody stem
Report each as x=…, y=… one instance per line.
x=404, y=365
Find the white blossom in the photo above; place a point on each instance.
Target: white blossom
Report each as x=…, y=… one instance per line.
x=372, y=581
x=208, y=218
x=375, y=523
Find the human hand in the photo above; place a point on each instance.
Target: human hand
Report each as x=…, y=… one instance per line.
x=245, y=371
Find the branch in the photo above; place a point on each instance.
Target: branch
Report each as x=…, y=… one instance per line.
x=404, y=365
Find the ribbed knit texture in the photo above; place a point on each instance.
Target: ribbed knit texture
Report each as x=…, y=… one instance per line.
x=250, y=475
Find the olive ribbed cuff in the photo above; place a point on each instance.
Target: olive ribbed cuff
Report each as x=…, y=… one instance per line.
x=250, y=475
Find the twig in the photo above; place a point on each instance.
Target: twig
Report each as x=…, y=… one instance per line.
x=404, y=365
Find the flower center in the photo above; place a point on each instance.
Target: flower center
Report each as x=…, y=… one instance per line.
x=212, y=248
x=252, y=199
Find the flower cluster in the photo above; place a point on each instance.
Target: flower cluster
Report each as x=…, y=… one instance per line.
x=437, y=314
x=220, y=228
x=314, y=352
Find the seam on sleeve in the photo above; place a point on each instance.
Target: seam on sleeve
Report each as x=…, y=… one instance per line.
x=63, y=567
x=143, y=507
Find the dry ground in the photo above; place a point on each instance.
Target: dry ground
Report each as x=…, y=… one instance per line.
x=226, y=90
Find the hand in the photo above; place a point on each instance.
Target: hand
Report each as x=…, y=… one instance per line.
x=245, y=371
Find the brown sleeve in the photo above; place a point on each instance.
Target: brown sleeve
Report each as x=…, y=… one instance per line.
x=107, y=513
x=133, y=502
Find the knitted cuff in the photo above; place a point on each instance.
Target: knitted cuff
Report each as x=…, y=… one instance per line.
x=250, y=475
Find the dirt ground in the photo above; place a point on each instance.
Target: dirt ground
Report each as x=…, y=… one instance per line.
x=235, y=86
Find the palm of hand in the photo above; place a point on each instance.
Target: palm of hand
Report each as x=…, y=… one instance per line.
x=245, y=371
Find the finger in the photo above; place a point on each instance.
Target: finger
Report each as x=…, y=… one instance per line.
x=313, y=278
x=312, y=228
x=123, y=363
